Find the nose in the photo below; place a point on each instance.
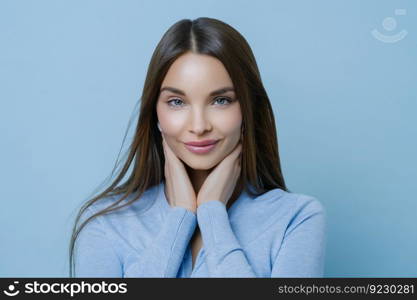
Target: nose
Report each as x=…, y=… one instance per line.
x=199, y=122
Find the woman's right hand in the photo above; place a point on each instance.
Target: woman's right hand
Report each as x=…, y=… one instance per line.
x=178, y=188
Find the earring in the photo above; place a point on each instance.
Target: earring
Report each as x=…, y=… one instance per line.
x=159, y=127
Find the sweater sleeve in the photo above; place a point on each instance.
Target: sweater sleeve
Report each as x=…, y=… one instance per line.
x=225, y=256
x=302, y=250
x=164, y=255
x=161, y=258
x=94, y=255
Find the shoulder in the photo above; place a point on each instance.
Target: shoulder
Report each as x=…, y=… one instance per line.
x=134, y=205
x=275, y=211
x=296, y=212
x=307, y=205
x=291, y=203
x=284, y=207
x=307, y=214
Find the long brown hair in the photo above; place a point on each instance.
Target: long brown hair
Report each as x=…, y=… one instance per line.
x=260, y=167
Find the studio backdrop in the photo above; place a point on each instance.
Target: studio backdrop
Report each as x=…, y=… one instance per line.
x=341, y=77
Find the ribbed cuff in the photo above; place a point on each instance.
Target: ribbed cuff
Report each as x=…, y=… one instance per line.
x=181, y=224
x=216, y=231
x=164, y=255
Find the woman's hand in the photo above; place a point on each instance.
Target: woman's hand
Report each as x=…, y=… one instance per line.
x=179, y=189
x=221, y=182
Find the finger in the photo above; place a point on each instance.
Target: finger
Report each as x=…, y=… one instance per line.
x=238, y=150
x=171, y=155
x=239, y=156
x=165, y=150
x=166, y=147
x=233, y=157
x=237, y=173
x=166, y=156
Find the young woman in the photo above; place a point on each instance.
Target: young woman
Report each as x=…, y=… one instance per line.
x=206, y=196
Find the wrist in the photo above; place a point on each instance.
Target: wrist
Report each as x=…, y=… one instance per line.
x=193, y=209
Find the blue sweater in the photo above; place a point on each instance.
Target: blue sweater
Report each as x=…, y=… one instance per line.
x=277, y=234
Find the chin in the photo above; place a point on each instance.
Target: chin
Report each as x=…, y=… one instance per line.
x=200, y=164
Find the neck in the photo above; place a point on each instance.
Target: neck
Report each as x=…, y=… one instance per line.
x=197, y=177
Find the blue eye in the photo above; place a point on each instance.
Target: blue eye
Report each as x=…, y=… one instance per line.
x=169, y=102
x=176, y=100
x=228, y=99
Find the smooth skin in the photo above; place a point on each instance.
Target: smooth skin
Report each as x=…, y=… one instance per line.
x=192, y=179
x=219, y=185
x=194, y=115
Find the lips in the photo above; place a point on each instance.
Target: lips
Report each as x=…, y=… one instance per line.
x=201, y=143
x=202, y=149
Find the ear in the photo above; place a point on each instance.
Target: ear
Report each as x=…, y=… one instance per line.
x=159, y=127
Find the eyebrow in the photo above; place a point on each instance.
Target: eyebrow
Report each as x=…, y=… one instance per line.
x=213, y=93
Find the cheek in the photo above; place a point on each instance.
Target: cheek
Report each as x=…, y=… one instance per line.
x=171, y=126
x=230, y=123
x=170, y=122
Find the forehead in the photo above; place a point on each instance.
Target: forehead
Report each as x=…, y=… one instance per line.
x=197, y=73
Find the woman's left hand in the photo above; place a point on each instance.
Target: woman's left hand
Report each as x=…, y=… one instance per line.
x=221, y=182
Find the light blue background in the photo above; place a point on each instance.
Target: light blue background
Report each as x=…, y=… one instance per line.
x=71, y=73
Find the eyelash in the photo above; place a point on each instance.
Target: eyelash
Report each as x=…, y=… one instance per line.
x=227, y=98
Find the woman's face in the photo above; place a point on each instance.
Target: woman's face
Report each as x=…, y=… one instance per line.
x=193, y=113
